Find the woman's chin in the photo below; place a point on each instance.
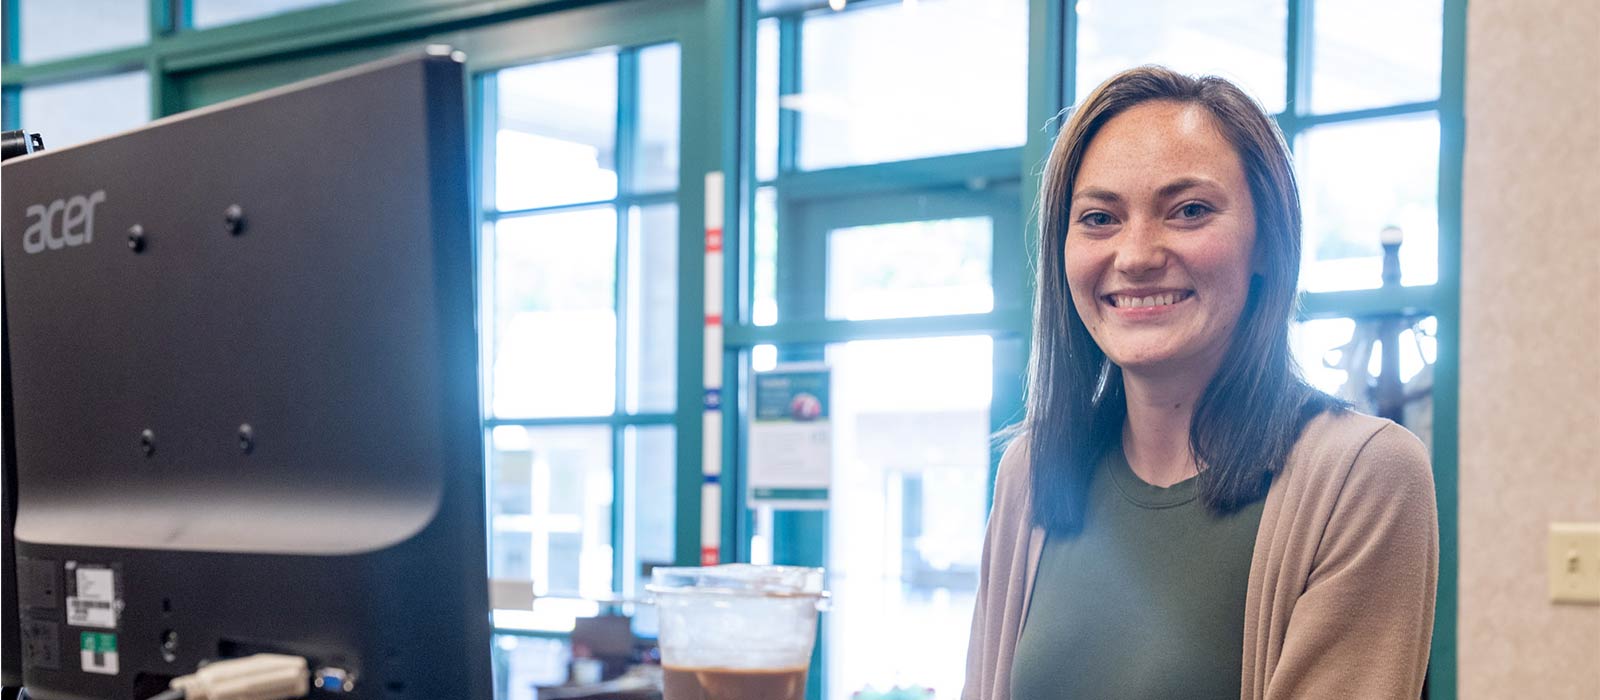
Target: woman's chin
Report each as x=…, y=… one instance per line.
x=1153, y=361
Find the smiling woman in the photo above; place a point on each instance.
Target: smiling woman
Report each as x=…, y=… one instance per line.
x=1159, y=239
x=1180, y=514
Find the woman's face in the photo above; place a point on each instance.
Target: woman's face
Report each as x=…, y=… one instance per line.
x=1160, y=239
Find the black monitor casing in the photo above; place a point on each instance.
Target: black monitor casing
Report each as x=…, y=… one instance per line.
x=335, y=320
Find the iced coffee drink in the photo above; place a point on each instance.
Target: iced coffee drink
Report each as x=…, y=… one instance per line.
x=737, y=632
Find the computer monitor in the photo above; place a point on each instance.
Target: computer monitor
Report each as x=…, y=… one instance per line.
x=243, y=373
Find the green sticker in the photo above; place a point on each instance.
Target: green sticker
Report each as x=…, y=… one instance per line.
x=97, y=642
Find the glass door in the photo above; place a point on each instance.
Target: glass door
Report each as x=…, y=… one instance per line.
x=914, y=408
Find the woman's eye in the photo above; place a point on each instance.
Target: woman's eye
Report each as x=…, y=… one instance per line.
x=1193, y=210
x=1096, y=218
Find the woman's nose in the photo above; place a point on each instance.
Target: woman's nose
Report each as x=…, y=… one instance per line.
x=1141, y=248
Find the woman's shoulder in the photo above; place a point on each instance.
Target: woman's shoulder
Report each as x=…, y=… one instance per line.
x=1013, y=476
x=1341, y=449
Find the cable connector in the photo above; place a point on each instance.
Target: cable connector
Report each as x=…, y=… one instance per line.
x=259, y=677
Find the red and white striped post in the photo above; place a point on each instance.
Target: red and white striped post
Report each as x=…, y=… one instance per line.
x=711, y=442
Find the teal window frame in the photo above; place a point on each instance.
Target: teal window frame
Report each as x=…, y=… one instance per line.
x=799, y=536
x=485, y=93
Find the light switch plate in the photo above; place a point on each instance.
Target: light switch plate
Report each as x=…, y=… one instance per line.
x=1575, y=563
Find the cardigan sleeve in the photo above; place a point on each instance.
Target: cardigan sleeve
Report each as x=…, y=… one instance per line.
x=1362, y=626
x=978, y=652
x=988, y=649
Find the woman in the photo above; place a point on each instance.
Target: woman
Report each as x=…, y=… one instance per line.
x=1180, y=514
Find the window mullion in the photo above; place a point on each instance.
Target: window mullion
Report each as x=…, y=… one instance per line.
x=788, y=84
x=164, y=19
x=488, y=135
x=10, y=105
x=10, y=52
x=621, y=506
x=1298, y=64
x=1069, y=55
x=624, y=150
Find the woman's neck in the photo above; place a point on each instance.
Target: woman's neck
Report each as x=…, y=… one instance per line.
x=1155, y=437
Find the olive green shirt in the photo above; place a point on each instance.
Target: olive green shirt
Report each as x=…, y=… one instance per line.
x=1146, y=602
x=1342, y=586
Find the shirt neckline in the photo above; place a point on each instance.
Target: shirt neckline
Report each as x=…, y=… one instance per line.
x=1145, y=494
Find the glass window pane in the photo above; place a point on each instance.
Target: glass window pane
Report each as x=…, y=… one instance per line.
x=764, y=295
x=905, y=532
x=914, y=268
x=557, y=128
x=656, y=155
x=212, y=13
x=523, y=664
x=1241, y=40
x=908, y=80
x=550, y=492
x=555, y=323
x=1343, y=356
x=651, y=462
x=652, y=334
x=66, y=114
x=1358, y=178
x=767, y=100
x=777, y=6
x=54, y=29
x=1316, y=345
x=1372, y=53
x=763, y=358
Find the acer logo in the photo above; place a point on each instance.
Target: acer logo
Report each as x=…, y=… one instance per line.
x=62, y=223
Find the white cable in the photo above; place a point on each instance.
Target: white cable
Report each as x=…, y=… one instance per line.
x=259, y=677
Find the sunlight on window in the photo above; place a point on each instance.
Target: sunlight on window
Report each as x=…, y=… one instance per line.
x=1357, y=178
x=763, y=358
x=70, y=113
x=764, y=285
x=1241, y=40
x=1374, y=53
x=49, y=30
x=915, y=268
x=911, y=469
x=556, y=126
x=550, y=508
x=565, y=171
x=212, y=13
x=555, y=348
x=655, y=160
x=953, y=79
x=1327, y=349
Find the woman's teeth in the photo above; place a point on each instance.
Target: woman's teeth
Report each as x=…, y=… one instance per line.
x=1128, y=302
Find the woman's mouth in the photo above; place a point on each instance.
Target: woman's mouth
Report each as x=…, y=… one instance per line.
x=1145, y=301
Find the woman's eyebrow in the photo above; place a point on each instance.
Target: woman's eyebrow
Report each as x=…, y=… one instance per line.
x=1181, y=184
x=1103, y=195
x=1167, y=191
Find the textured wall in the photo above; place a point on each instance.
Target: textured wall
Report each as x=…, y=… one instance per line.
x=1530, y=377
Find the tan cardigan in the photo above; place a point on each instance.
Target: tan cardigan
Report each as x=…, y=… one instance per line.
x=1341, y=593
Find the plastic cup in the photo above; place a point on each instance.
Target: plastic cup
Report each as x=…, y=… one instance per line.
x=737, y=631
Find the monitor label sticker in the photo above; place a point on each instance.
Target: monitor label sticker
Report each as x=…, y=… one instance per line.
x=97, y=652
x=92, y=596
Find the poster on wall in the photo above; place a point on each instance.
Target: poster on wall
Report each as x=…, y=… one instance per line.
x=791, y=438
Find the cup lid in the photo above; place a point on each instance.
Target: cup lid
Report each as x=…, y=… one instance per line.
x=739, y=580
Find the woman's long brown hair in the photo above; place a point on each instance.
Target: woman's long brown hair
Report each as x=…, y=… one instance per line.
x=1253, y=409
